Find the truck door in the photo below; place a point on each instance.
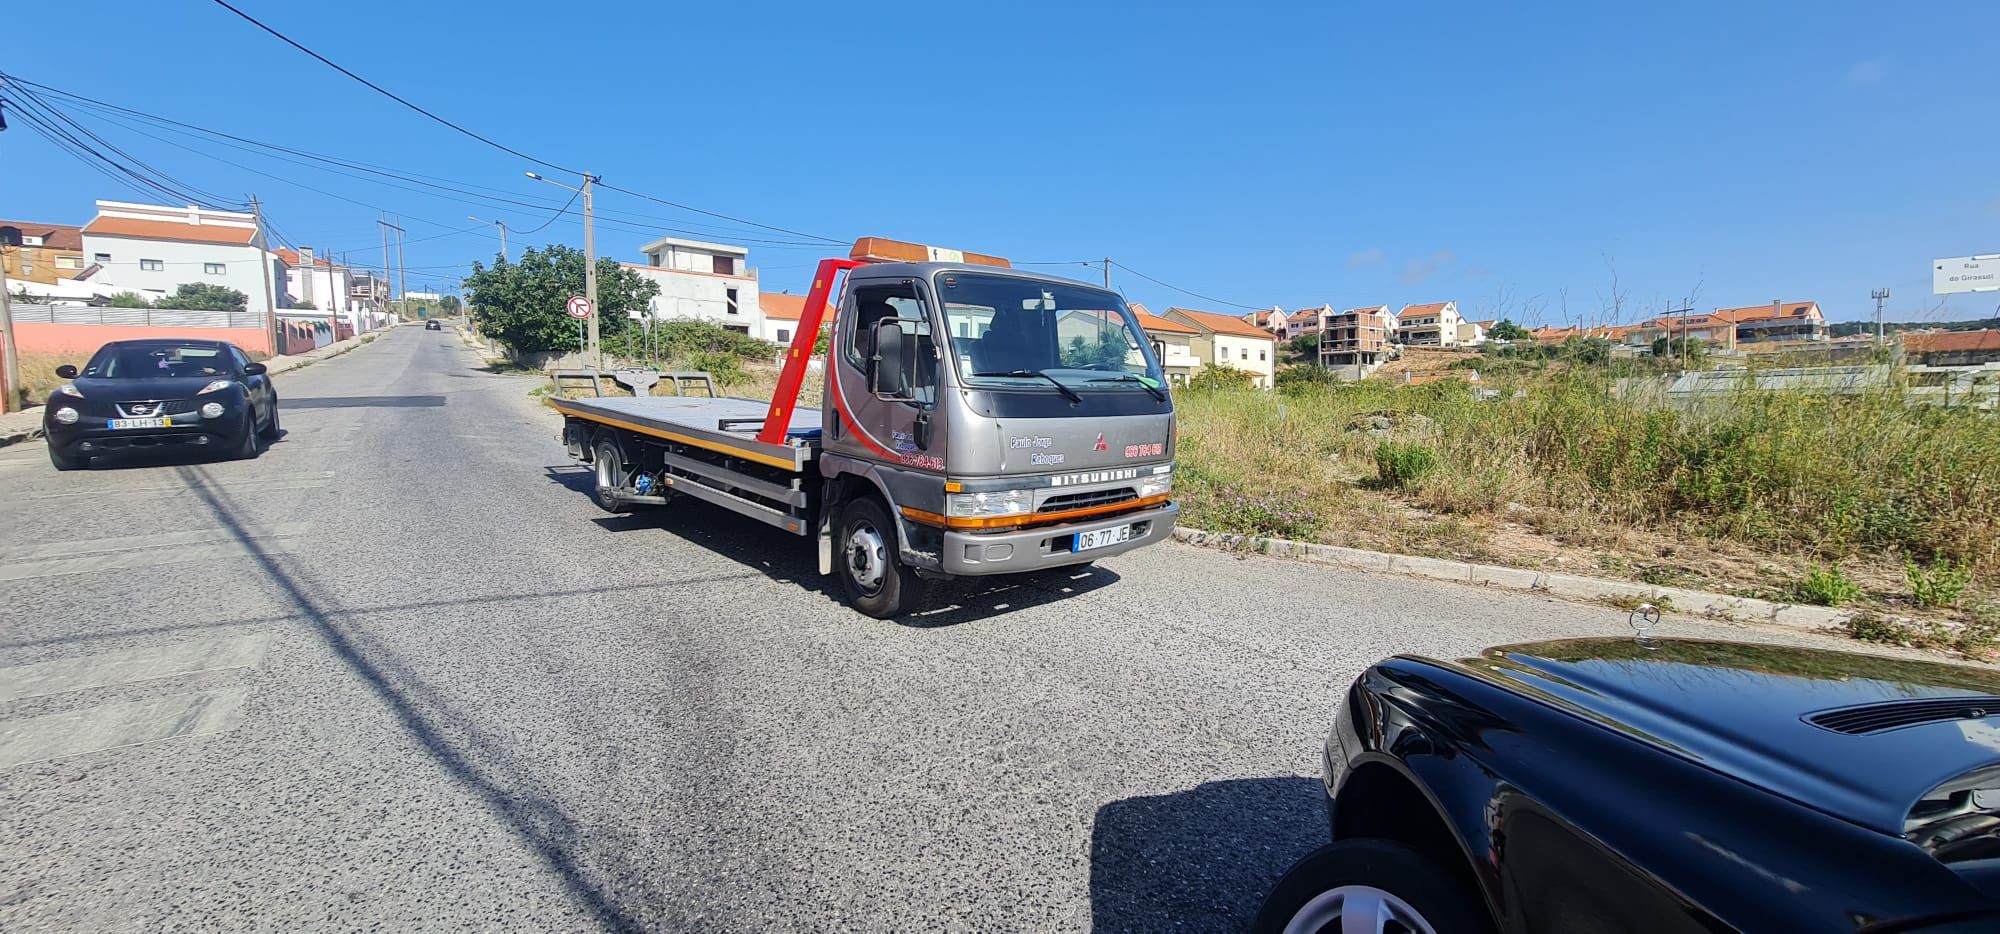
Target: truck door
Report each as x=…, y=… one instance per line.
x=886, y=427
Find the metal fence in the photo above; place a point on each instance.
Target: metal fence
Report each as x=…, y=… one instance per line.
x=140, y=317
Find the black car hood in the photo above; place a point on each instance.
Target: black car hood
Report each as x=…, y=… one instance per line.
x=1739, y=708
x=128, y=390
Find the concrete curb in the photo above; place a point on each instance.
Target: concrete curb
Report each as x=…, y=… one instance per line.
x=1569, y=586
x=276, y=366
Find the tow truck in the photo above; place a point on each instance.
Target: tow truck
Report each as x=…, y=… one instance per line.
x=978, y=419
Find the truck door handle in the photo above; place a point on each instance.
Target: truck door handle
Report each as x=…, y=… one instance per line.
x=923, y=431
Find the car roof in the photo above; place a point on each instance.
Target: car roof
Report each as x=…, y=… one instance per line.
x=166, y=342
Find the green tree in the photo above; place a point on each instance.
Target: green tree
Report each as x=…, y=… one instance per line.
x=201, y=296
x=521, y=303
x=129, y=300
x=1107, y=352
x=1507, y=330
x=1305, y=345
x=1692, y=349
x=450, y=304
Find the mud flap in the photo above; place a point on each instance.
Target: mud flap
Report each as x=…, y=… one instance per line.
x=825, y=547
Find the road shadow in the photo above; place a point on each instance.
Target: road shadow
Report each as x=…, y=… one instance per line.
x=477, y=762
x=791, y=559
x=362, y=402
x=1201, y=859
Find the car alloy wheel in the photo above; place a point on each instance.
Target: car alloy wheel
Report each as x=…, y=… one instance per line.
x=1351, y=909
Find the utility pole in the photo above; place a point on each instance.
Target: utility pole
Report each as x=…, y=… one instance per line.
x=503, y=240
x=590, y=274
x=10, y=361
x=402, y=280
x=372, y=291
x=1881, y=297
x=1107, y=273
x=1687, y=305
x=264, y=266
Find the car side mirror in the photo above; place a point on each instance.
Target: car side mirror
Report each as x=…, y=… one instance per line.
x=253, y=369
x=889, y=368
x=66, y=371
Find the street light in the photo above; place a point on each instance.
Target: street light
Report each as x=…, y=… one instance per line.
x=503, y=233
x=591, y=351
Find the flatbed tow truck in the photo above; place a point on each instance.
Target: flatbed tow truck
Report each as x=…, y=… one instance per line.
x=977, y=419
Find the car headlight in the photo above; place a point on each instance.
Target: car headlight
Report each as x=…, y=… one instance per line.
x=212, y=410
x=69, y=389
x=1162, y=481
x=216, y=386
x=998, y=503
x=66, y=415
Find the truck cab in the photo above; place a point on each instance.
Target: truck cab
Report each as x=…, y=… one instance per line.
x=975, y=420
x=1015, y=422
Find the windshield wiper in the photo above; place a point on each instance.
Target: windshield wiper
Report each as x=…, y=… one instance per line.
x=1065, y=390
x=1129, y=378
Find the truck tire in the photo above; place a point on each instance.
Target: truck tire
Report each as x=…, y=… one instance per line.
x=876, y=582
x=610, y=476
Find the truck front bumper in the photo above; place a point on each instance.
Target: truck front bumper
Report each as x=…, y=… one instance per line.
x=1050, y=546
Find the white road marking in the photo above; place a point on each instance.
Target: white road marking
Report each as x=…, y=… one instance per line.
x=111, y=726
x=132, y=542
x=182, y=489
x=63, y=675
x=146, y=558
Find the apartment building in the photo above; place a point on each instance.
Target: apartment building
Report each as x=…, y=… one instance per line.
x=155, y=249
x=1356, y=337
x=37, y=252
x=705, y=281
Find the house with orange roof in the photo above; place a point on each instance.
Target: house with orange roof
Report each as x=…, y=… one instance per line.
x=782, y=313
x=1306, y=321
x=1173, y=344
x=319, y=281
x=1726, y=328
x=1435, y=324
x=151, y=248
x=1272, y=319
x=1226, y=340
x=1953, y=348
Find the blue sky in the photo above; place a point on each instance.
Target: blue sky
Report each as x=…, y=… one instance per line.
x=1261, y=154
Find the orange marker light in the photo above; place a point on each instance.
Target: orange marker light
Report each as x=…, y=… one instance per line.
x=884, y=250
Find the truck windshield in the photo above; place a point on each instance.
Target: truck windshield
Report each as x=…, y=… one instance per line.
x=1019, y=333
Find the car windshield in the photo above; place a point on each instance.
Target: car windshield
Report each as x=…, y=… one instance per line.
x=151, y=361
x=1020, y=333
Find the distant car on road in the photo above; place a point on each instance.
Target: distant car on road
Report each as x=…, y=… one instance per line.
x=198, y=394
x=433, y=325
x=1618, y=785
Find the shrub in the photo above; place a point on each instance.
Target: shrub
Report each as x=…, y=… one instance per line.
x=1402, y=464
x=1303, y=378
x=1940, y=585
x=1826, y=587
x=129, y=300
x=1217, y=377
x=725, y=368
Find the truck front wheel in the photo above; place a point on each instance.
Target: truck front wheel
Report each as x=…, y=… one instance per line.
x=876, y=582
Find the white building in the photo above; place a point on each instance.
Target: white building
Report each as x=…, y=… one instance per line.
x=705, y=281
x=309, y=278
x=1437, y=324
x=156, y=249
x=1225, y=340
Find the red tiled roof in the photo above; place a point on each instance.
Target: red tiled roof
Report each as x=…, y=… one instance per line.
x=169, y=230
x=1762, y=312
x=54, y=236
x=1223, y=324
x=1430, y=309
x=1951, y=341
x=786, y=307
x=292, y=258
x=1149, y=322
x=1263, y=319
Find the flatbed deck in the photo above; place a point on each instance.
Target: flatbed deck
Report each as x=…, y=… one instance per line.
x=726, y=425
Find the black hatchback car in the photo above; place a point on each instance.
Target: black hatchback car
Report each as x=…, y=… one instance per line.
x=1615, y=785
x=155, y=393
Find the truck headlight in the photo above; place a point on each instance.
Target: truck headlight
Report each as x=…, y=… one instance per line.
x=212, y=410
x=1154, y=486
x=998, y=503
x=66, y=415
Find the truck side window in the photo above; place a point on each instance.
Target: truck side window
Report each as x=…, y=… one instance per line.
x=872, y=303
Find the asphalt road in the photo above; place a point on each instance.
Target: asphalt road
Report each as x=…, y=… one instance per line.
x=399, y=674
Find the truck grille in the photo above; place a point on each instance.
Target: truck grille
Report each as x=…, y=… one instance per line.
x=1086, y=500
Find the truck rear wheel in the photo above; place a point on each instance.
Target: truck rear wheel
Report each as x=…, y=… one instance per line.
x=610, y=469
x=877, y=583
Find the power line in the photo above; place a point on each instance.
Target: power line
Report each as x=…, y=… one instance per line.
x=552, y=218
x=676, y=204
x=385, y=92
x=1206, y=298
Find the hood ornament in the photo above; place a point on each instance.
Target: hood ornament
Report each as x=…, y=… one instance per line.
x=1642, y=619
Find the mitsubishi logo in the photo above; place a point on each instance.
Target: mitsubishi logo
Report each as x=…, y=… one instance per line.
x=1101, y=446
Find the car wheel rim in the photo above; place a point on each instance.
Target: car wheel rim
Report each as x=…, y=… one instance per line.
x=1355, y=909
x=867, y=558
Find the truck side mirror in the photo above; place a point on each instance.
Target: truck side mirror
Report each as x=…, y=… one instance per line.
x=889, y=368
x=66, y=371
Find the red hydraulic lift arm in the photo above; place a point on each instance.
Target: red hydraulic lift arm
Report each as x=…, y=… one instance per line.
x=778, y=420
